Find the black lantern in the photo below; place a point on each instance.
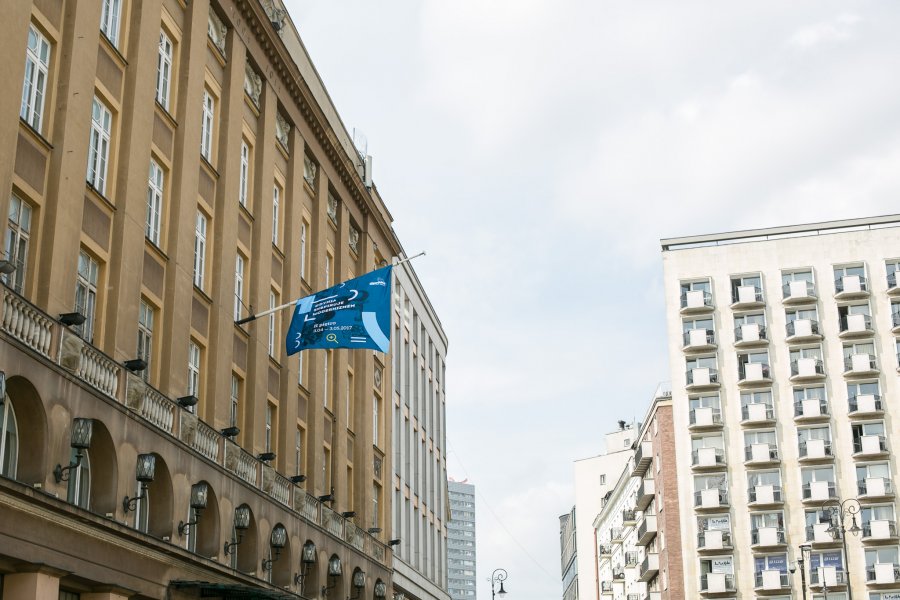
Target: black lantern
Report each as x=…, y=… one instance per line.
x=277, y=541
x=241, y=523
x=144, y=472
x=307, y=559
x=82, y=429
x=358, y=581
x=380, y=589
x=199, y=492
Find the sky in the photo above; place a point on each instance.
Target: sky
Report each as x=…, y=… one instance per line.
x=537, y=150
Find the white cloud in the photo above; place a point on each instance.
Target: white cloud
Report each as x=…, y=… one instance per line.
x=838, y=30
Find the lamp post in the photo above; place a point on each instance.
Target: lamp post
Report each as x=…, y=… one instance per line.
x=801, y=561
x=498, y=576
x=838, y=511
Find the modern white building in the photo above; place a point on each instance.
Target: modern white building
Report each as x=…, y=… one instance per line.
x=783, y=351
x=595, y=477
x=461, y=546
x=419, y=441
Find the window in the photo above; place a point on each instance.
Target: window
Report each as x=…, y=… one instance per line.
x=9, y=439
x=603, y=479
x=883, y=512
x=376, y=420
x=235, y=400
x=86, y=294
x=154, y=202
x=238, y=286
x=376, y=501
x=245, y=173
x=145, y=336
x=892, y=267
x=142, y=508
x=18, y=234
x=273, y=333
x=881, y=556
x=98, y=151
x=276, y=197
x=746, y=288
x=37, y=66
x=270, y=423
x=855, y=317
x=200, y=250
x=79, y=489
x=298, y=450
x=163, y=70
x=206, y=125
x=326, y=364
x=193, y=371
x=328, y=262
x=303, y=229
x=109, y=20
x=869, y=437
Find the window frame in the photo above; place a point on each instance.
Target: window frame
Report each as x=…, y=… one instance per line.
x=37, y=73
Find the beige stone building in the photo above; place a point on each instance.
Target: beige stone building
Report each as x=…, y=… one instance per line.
x=783, y=352
x=169, y=166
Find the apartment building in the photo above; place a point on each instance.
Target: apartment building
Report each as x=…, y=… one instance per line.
x=170, y=167
x=420, y=510
x=461, y=546
x=784, y=357
x=595, y=477
x=638, y=532
x=568, y=564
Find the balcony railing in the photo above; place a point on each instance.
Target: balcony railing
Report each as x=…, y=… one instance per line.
x=646, y=530
x=712, y=494
x=839, y=577
x=758, y=412
x=712, y=582
x=883, y=573
x=748, y=372
x=746, y=294
x=828, y=491
x=631, y=559
x=766, y=494
x=747, y=334
x=802, y=328
x=709, y=540
x=25, y=324
x=643, y=456
x=645, y=493
x=807, y=367
x=879, y=529
x=760, y=452
x=812, y=449
x=767, y=536
x=810, y=408
x=860, y=363
x=628, y=516
x=870, y=444
x=851, y=284
x=798, y=290
x=696, y=300
x=761, y=580
x=705, y=417
x=699, y=337
x=875, y=486
x=892, y=280
x=895, y=319
x=708, y=458
x=704, y=376
x=857, y=323
x=606, y=587
x=616, y=534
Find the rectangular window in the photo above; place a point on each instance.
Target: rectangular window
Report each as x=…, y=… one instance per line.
x=298, y=450
x=235, y=399
x=238, y=286
x=376, y=503
x=154, y=202
x=376, y=421
x=109, y=20
x=270, y=423
x=145, y=336
x=245, y=173
x=273, y=330
x=163, y=70
x=326, y=363
x=200, y=250
x=98, y=151
x=86, y=294
x=193, y=371
x=328, y=262
x=18, y=234
x=37, y=67
x=206, y=125
x=276, y=198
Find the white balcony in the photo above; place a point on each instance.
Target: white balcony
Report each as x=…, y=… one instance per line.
x=803, y=330
x=767, y=537
x=701, y=378
x=856, y=325
x=705, y=417
x=717, y=583
x=863, y=365
x=829, y=577
x=818, y=535
x=771, y=580
x=696, y=301
x=696, y=340
x=895, y=321
x=814, y=450
x=819, y=491
x=881, y=530
x=649, y=567
x=807, y=369
x=750, y=334
x=645, y=494
x=798, y=292
x=851, y=286
x=765, y=495
x=710, y=498
x=750, y=374
x=882, y=573
x=757, y=414
x=712, y=540
x=873, y=488
x=760, y=454
x=646, y=530
x=706, y=459
x=810, y=409
x=866, y=446
x=864, y=405
x=747, y=296
x=892, y=284
x=643, y=456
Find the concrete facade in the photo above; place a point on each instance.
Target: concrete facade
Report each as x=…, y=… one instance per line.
x=255, y=196
x=783, y=350
x=420, y=512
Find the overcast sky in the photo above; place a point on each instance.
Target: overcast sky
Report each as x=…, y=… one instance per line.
x=538, y=149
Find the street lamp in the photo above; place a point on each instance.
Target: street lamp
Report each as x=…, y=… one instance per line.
x=498, y=576
x=801, y=560
x=838, y=512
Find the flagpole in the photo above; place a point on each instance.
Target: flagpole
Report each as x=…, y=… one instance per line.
x=269, y=311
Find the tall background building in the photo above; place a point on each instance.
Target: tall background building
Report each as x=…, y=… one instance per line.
x=168, y=168
x=461, y=546
x=784, y=355
x=420, y=515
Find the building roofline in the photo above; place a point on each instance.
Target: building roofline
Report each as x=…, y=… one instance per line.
x=770, y=233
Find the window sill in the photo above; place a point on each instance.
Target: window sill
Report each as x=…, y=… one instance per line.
x=209, y=167
x=108, y=43
x=203, y=295
x=149, y=244
x=169, y=118
x=99, y=195
x=246, y=212
x=35, y=134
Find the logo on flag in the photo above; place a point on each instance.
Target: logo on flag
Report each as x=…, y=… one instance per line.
x=353, y=314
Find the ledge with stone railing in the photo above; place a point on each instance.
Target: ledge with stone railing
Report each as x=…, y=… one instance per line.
x=48, y=338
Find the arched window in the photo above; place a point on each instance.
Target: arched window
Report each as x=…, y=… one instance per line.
x=80, y=480
x=9, y=439
x=142, y=509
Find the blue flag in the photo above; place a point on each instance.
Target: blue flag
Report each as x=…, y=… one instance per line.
x=353, y=314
